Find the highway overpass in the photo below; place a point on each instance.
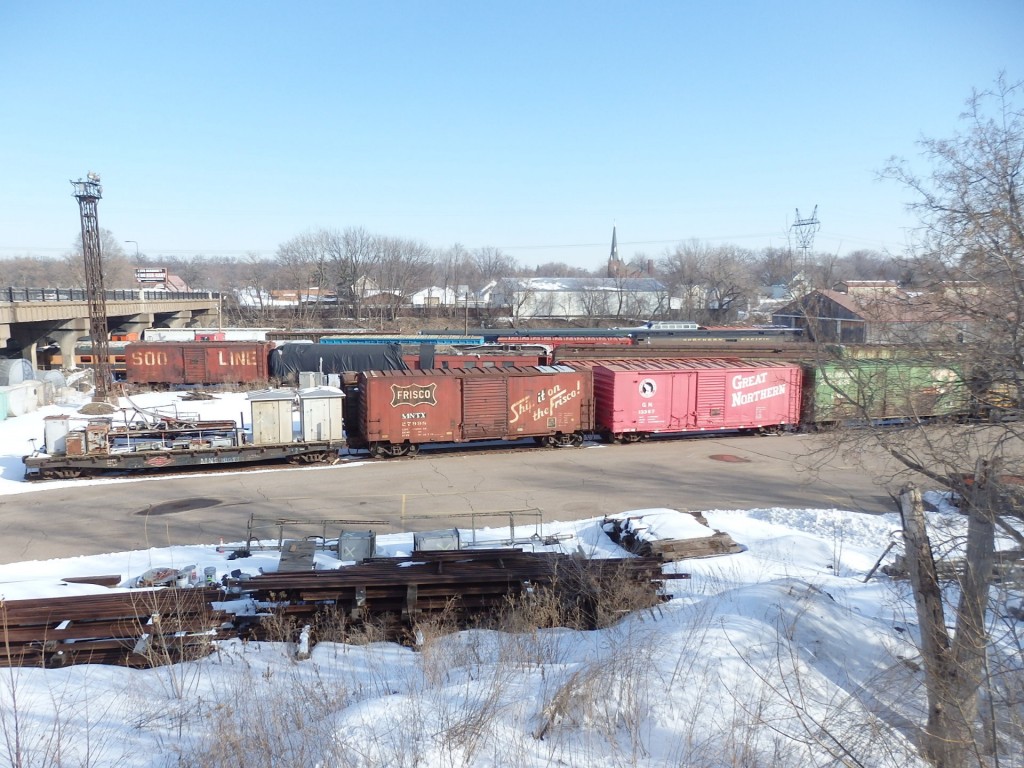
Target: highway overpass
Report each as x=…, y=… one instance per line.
x=30, y=317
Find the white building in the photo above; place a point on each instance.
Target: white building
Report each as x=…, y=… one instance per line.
x=435, y=296
x=571, y=298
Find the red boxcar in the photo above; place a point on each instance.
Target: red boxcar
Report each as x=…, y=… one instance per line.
x=197, y=362
x=399, y=410
x=639, y=398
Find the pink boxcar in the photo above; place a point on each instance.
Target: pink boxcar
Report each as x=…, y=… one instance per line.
x=640, y=398
x=399, y=410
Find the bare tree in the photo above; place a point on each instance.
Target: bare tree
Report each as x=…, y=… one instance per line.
x=454, y=270
x=401, y=268
x=258, y=280
x=32, y=271
x=774, y=266
x=969, y=262
x=351, y=254
x=118, y=271
x=712, y=282
x=303, y=261
x=493, y=264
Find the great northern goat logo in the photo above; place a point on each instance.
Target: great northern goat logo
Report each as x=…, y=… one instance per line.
x=413, y=395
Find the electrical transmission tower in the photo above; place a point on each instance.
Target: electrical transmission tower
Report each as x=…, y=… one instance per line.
x=805, y=230
x=88, y=192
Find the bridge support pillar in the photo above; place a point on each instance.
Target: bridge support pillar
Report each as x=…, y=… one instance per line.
x=27, y=337
x=66, y=340
x=180, y=319
x=135, y=324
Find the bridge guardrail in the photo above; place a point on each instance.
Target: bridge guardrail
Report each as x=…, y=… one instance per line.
x=78, y=294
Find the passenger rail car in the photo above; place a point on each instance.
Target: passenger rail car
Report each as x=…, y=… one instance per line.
x=435, y=340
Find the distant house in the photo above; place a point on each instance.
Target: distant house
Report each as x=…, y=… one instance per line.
x=870, y=312
x=575, y=298
x=435, y=296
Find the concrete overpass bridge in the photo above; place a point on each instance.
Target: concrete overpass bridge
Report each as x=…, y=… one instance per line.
x=33, y=316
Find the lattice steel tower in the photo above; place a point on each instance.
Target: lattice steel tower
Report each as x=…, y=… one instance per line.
x=805, y=230
x=88, y=192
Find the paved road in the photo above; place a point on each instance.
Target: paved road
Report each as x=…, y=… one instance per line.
x=425, y=492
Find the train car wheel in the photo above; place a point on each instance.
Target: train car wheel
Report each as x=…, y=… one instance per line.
x=576, y=439
x=380, y=450
x=412, y=450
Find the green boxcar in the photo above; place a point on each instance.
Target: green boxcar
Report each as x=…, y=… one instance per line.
x=861, y=390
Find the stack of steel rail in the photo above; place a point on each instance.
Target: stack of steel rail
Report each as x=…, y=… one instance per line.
x=463, y=584
x=149, y=627
x=141, y=628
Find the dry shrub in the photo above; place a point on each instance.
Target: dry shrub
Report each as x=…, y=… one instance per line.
x=581, y=595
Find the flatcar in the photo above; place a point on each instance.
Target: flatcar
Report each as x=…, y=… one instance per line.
x=146, y=444
x=398, y=411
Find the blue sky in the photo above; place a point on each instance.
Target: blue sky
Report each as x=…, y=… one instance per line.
x=228, y=127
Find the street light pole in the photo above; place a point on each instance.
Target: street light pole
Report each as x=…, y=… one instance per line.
x=136, y=250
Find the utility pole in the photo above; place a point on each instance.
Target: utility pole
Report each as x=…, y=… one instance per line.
x=88, y=192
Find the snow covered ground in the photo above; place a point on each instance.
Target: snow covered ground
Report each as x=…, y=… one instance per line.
x=779, y=655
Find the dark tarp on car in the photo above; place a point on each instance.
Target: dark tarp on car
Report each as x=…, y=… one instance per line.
x=287, y=360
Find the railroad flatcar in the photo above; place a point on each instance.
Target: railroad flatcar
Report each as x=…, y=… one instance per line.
x=637, y=399
x=400, y=410
x=197, y=362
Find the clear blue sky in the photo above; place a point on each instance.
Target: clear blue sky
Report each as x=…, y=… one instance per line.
x=227, y=127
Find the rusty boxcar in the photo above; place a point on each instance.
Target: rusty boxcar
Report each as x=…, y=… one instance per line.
x=197, y=362
x=400, y=410
x=636, y=399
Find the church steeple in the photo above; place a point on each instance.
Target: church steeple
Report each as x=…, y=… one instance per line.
x=614, y=265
